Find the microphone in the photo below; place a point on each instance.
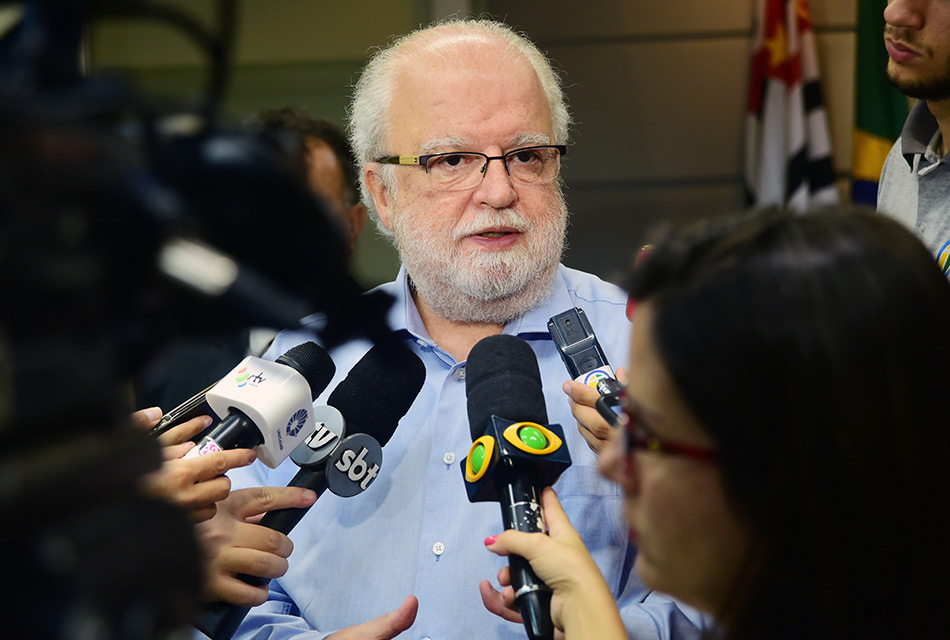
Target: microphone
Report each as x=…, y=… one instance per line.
x=514, y=455
x=344, y=453
x=586, y=362
x=581, y=352
x=376, y=393
x=268, y=406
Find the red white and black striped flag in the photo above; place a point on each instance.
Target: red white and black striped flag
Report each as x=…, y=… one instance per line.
x=787, y=147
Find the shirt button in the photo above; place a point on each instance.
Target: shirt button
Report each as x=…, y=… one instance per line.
x=460, y=373
x=438, y=548
x=422, y=343
x=448, y=457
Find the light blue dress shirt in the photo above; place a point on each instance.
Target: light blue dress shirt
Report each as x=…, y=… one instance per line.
x=414, y=530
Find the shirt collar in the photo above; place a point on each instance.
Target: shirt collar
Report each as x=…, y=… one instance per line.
x=918, y=132
x=404, y=315
x=534, y=324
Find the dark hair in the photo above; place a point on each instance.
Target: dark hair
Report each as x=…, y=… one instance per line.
x=813, y=350
x=296, y=121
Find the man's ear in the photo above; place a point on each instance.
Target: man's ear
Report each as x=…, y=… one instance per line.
x=379, y=192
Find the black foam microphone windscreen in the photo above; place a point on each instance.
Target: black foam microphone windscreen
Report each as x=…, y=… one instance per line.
x=313, y=363
x=502, y=379
x=378, y=391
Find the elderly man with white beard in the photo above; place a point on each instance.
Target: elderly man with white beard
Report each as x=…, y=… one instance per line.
x=459, y=130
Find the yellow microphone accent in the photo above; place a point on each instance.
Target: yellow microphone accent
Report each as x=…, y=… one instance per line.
x=479, y=458
x=532, y=438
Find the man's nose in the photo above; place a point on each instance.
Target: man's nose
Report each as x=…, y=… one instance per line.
x=905, y=13
x=496, y=188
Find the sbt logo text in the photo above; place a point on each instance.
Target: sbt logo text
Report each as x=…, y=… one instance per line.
x=354, y=464
x=356, y=468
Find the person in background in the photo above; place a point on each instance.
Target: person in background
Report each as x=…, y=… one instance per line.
x=783, y=456
x=328, y=164
x=459, y=130
x=915, y=180
x=198, y=484
x=325, y=161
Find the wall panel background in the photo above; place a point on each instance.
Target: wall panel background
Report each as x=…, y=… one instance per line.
x=658, y=91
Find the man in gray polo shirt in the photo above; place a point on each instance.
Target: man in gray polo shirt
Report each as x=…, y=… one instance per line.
x=915, y=181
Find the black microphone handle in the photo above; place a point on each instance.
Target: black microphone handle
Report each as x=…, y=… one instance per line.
x=521, y=511
x=236, y=431
x=284, y=520
x=219, y=620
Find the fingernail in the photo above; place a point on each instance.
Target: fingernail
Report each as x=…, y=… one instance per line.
x=490, y=540
x=153, y=413
x=309, y=495
x=207, y=420
x=566, y=388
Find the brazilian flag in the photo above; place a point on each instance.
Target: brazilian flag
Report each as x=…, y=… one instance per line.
x=879, y=108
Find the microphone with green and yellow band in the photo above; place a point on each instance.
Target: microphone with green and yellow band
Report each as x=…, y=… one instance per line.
x=514, y=455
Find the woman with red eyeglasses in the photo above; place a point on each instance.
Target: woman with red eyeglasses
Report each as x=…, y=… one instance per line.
x=785, y=453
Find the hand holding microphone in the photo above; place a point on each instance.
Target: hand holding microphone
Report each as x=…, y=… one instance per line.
x=267, y=406
x=595, y=391
x=581, y=352
x=194, y=485
x=582, y=600
x=514, y=455
x=343, y=454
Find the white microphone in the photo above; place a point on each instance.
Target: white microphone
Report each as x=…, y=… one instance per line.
x=267, y=406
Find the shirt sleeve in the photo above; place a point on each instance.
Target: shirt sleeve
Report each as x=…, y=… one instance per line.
x=277, y=619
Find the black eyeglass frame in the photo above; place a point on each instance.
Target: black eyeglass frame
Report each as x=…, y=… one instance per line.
x=423, y=160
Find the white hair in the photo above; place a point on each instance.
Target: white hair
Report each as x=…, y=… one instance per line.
x=368, y=114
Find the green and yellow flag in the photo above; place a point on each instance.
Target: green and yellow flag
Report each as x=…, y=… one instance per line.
x=879, y=108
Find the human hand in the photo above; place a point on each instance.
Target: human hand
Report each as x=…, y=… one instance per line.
x=581, y=599
x=591, y=425
x=502, y=603
x=233, y=543
x=195, y=484
x=145, y=419
x=387, y=626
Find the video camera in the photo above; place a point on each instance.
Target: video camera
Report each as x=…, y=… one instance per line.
x=125, y=223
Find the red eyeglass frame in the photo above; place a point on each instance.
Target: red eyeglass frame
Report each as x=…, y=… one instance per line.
x=639, y=437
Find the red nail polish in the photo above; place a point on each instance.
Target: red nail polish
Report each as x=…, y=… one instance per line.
x=490, y=540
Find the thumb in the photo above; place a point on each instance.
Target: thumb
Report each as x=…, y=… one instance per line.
x=387, y=626
x=622, y=375
x=554, y=516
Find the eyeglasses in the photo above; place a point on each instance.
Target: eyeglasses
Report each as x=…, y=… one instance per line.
x=458, y=170
x=639, y=436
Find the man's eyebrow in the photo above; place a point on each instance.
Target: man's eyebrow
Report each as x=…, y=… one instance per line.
x=454, y=143
x=530, y=139
x=448, y=143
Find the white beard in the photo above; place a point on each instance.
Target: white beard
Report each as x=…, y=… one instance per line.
x=475, y=286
